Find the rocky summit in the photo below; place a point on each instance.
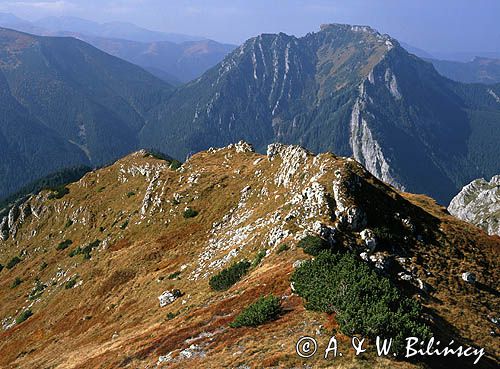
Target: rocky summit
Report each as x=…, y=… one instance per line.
x=143, y=264
x=479, y=203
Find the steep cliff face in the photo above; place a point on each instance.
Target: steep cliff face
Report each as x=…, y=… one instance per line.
x=479, y=203
x=116, y=272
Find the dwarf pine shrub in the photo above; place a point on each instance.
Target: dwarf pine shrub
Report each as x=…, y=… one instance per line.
x=261, y=311
x=229, y=276
x=24, y=315
x=190, y=213
x=283, y=247
x=16, y=282
x=64, y=245
x=71, y=283
x=13, y=262
x=258, y=258
x=364, y=302
x=313, y=245
x=175, y=164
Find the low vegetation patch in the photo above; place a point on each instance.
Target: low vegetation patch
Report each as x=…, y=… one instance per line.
x=58, y=192
x=130, y=194
x=313, y=245
x=386, y=236
x=1, y=267
x=283, y=247
x=227, y=277
x=13, y=262
x=68, y=224
x=172, y=315
x=85, y=251
x=258, y=258
x=16, y=282
x=156, y=154
x=365, y=303
x=174, y=275
x=37, y=291
x=261, y=311
x=71, y=283
x=64, y=245
x=190, y=213
x=24, y=315
x=175, y=164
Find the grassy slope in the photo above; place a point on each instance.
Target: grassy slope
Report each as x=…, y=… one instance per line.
x=121, y=282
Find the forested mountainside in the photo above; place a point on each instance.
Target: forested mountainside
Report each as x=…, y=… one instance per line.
x=65, y=103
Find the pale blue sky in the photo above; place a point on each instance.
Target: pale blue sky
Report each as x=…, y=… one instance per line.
x=438, y=25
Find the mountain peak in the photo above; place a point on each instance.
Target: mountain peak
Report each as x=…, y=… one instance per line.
x=335, y=27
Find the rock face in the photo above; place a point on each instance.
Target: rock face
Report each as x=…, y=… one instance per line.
x=479, y=203
x=168, y=297
x=469, y=277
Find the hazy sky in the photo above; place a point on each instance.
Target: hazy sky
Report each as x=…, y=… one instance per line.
x=438, y=25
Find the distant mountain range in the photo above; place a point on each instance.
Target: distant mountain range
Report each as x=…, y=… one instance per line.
x=122, y=30
x=479, y=70
x=463, y=67
x=175, y=58
x=345, y=89
x=174, y=63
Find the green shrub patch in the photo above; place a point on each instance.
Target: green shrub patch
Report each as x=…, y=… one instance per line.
x=16, y=282
x=313, y=245
x=174, y=275
x=258, y=258
x=85, y=251
x=364, y=302
x=24, y=315
x=261, y=311
x=37, y=291
x=227, y=277
x=283, y=247
x=71, y=283
x=64, y=245
x=13, y=262
x=58, y=192
x=190, y=213
x=175, y=164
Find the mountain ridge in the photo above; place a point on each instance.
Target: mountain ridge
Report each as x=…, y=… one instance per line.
x=129, y=218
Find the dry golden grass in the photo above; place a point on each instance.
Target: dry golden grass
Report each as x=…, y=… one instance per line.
x=114, y=320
